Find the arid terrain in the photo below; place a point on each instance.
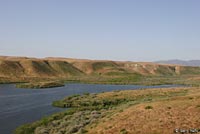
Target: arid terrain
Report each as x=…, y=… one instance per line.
x=154, y=117
x=152, y=111
x=99, y=67
x=33, y=70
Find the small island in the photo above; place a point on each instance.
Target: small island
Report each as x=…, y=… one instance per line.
x=38, y=85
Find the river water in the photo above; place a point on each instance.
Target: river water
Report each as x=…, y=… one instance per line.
x=20, y=106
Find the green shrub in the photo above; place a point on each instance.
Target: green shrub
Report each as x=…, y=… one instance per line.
x=148, y=107
x=123, y=131
x=59, y=104
x=30, y=128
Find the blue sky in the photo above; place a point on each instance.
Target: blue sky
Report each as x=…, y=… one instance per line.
x=135, y=30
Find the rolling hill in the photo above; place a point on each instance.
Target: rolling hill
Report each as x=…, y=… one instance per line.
x=16, y=69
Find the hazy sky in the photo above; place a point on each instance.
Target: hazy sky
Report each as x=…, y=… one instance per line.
x=137, y=30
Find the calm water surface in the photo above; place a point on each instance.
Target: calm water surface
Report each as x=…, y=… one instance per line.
x=20, y=106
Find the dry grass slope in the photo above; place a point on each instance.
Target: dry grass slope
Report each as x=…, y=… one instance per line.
x=148, y=111
x=23, y=69
x=154, y=117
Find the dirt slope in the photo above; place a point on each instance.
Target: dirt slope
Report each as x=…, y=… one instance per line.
x=23, y=67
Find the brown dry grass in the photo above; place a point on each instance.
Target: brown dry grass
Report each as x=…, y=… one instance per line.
x=88, y=66
x=147, y=111
x=163, y=118
x=23, y=69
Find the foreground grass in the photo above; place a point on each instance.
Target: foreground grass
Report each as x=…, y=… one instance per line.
x=133, y=111
x=155, y=117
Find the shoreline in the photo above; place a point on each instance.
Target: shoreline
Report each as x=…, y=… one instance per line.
x=101, y=107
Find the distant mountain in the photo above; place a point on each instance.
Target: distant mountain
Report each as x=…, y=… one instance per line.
x=181, y=62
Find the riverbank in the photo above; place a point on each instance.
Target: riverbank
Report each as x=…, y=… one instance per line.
x=38, y=85
x=31, y=70
x=129, y=79
x=26, y=106
x=109, y=112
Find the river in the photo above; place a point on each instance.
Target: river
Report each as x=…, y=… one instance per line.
x=20, y=106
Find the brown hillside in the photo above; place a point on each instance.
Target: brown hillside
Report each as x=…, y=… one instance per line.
x=23, y=67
